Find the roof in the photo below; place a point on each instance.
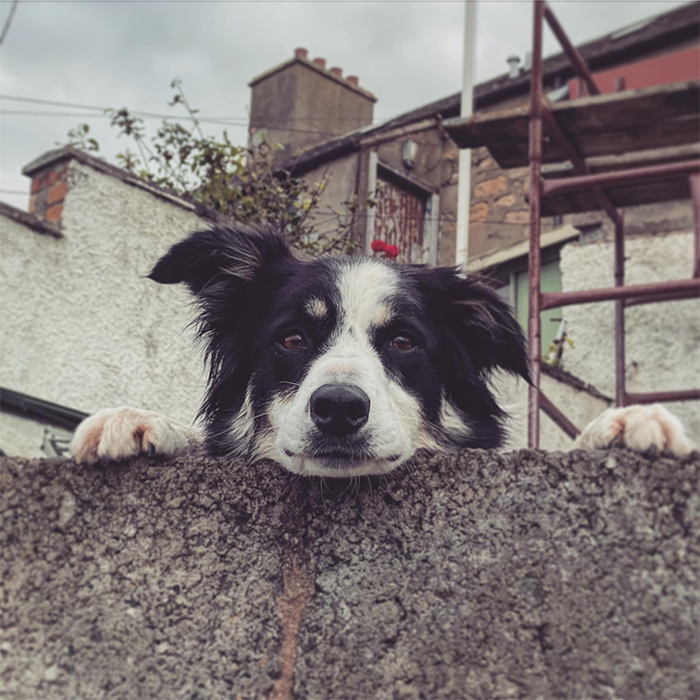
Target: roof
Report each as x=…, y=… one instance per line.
x=71, y=153
x=29, y=220
x=321, y=71
x=619, y=46
x=520, y=249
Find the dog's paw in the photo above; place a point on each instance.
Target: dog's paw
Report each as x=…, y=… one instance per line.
x=117, y=433
x=641, y=428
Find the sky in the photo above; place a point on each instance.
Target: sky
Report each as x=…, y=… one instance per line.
x=121, y=53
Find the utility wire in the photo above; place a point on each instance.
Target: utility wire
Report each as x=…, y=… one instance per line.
x=223, y=121
x=8, y=21
x=55, y=103
x=92, y=115
x=170, y=117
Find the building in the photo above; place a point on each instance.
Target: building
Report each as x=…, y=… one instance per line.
x=82, y=329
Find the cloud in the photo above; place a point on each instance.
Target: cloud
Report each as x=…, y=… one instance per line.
x=125, y=54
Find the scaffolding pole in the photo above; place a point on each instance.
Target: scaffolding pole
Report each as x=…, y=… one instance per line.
x=465, y=155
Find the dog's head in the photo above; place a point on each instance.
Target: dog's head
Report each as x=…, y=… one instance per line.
x=341, y=367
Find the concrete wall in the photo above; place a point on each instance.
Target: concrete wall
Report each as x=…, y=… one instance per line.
x=476, y=576
x=662, y=340
x=80, y=324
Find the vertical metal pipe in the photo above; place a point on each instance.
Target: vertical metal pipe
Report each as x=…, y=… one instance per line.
x=620, y=388
x=695, y=194
x=464, y=187
x=534, y=259
x=620, y=311
x=372, y=160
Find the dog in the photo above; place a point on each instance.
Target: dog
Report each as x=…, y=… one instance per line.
x=342, y=367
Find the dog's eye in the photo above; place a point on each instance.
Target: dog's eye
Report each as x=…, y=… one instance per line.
x=403, y=343
x=293, y=342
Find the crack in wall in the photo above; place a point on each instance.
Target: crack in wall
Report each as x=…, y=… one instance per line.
x=298, y=589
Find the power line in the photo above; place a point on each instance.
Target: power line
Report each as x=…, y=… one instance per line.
x=236, y=122
x=221, y=121
x=8, y=21
x=54, y=103
x=92, y=115
x=170, y=117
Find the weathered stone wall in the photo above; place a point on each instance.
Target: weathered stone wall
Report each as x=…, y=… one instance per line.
x=528, y=575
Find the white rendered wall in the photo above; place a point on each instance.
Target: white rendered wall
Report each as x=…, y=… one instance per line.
x=662, y=340
x=580, y=407
x=23, y=436
x=80, y=325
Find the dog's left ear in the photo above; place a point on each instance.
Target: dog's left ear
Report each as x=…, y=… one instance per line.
x=482, y=322
x=230, y=255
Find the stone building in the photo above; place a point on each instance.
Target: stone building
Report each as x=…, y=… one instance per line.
x=82, y=328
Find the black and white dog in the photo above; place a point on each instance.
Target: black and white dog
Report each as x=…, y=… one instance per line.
x=342, y=367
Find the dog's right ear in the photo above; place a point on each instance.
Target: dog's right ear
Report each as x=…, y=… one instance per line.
x=234, y=255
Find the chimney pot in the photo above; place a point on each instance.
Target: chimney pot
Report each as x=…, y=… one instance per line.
x=301, y=53
x=337, y=72
x=513, y=66
x=353, y=80
x=320, y=62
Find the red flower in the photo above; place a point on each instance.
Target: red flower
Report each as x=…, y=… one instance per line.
x=378, y=246
x=391, y=251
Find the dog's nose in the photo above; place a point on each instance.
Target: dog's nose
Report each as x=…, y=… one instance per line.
x=338, y=409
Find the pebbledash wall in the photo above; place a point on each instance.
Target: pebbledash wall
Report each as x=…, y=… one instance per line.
x=662, y=345
x=662, y=349
x=81, y=325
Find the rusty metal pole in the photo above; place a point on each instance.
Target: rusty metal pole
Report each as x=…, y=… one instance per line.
x=534, y=259
x=695, y=194
x=570, y=50
x=620, y=311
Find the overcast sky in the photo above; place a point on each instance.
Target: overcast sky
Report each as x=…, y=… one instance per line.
x=118, y=53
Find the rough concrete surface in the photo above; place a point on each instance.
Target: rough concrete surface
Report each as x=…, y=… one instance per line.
x=525, y=575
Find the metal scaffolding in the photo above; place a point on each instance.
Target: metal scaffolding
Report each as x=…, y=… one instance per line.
x=636, y=120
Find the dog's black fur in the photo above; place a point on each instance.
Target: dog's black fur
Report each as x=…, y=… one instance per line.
x=251, y=294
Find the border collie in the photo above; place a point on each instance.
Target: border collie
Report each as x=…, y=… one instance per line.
x=342, y=367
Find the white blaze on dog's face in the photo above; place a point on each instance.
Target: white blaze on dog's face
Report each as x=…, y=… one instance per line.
x=349, y=416
x=341, y=367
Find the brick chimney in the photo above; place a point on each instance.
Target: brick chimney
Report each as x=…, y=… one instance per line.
x=49, y=185
x=301, y=103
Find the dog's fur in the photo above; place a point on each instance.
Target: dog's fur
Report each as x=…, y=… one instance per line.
x=335, y=367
